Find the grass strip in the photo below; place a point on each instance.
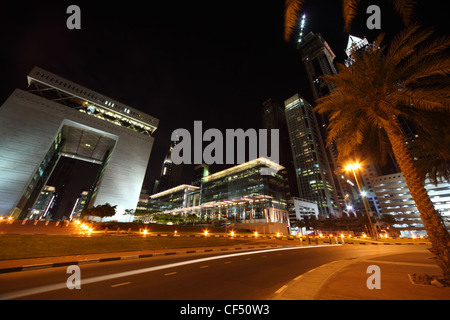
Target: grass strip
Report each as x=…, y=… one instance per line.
x=33, y=246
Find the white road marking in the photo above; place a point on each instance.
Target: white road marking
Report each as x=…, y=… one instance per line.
x=120, y=284
x=281, y=289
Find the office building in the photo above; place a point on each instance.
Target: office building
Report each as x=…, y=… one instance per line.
x=317, y=58
x=43, y=204
x=313, y=172
x=170, y=172
x=395, y=199
x=57, y=118
x=80, y=205
x=354, y=46
x=240, y=195
x=274, y=117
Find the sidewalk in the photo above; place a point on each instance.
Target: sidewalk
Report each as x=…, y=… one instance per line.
x=347, y=279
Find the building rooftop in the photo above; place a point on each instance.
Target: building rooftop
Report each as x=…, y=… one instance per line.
x=66, y=92
x=240, y=167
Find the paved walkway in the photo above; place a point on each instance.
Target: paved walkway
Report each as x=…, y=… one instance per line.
x=347, y=279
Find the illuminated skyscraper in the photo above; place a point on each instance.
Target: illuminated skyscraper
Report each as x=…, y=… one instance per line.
x=170, y=172
x=318, y=57
x=274, y=117
x=313, y=173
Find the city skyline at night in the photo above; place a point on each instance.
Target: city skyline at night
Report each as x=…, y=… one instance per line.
x=183, y=64
x=216, y=157
x=180, y=62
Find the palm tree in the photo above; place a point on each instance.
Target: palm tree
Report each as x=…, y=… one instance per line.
x=405, y=8
x=407, y=81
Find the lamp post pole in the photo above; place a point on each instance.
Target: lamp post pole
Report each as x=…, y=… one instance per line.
x=353, y=166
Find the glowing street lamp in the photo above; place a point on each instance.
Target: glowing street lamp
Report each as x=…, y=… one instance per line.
x=353, y=167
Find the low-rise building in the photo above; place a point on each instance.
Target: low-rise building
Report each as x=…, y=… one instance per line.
x=395, y=199
x=241, y=196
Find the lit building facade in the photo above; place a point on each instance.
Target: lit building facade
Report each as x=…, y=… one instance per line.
x=43, y=203
x=354, y=46
x=317, y=58
x=58, y=118
x=241, y=195
x=313, y=172
x=274, y=117
x=179, y=197
x=170, y=172
x=80, y=205
x=395, y=199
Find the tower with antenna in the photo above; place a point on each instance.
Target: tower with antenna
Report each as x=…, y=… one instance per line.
x=302, y=27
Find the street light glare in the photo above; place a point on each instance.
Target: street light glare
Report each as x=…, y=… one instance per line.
x=352, y=166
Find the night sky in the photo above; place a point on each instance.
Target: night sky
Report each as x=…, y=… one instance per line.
x=181, y=61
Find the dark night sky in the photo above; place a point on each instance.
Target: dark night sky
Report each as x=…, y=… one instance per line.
x=179, y=61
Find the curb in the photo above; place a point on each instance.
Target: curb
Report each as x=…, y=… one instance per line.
x=150, y=255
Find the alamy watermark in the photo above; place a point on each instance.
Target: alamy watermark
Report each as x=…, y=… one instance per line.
x=74, y=280
x=374, y=20
x=221, y=150
x=74, y=20
x=374, y=281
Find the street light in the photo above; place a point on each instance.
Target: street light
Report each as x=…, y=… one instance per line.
x=353, y=167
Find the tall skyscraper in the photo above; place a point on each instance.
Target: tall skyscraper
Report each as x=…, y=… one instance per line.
x=318, y=57
x=354, y=45
x=170, y=172
x=313, y=173
x=274, y=117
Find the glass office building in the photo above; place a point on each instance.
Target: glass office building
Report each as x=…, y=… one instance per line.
x=243, y=193
x=240, y=194
x=313, y=172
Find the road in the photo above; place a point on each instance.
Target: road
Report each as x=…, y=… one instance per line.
x=246, y=275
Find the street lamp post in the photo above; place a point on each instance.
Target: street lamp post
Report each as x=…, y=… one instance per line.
x=352, y=167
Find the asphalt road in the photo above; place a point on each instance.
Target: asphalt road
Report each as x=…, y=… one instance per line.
x=246, y=275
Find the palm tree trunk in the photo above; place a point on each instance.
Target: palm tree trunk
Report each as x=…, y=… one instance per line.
x=437, y=232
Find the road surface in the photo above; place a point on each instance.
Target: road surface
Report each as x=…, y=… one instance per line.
x=243, y=275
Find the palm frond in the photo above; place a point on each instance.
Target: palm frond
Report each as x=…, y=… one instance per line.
x=291, y=16
x=405, y=8
x=408, y=37
x=383, y=86
x=436, y=46
x=349, y=11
